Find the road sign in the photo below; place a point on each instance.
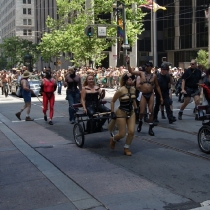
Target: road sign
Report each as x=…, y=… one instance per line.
x=101, y=31
x=89, y=31
x=126, y=46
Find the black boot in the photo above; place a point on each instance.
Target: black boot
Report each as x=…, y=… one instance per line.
x=139, y=126
x=163, y=115
x=180, y=115
x=150, y=132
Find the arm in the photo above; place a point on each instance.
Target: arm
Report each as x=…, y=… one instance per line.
x=80, y=84
x=55, y=85
x=183, y=86
x=134, y=104
x=158, y=88
x=138, y=85
x=83, y=94
x=115, y=97
x=65, y=82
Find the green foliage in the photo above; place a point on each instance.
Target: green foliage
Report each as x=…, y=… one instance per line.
x=202, y=58
x=67, y=33
x=15, y=48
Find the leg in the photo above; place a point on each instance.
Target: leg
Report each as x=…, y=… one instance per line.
x=101, y=109
x=143, y=103
x=150, y=106
x=131, y=128
x=186, y=102
x=71, y=102
x=44, y=104
x=156, y=108
x=168, y=109
x=52, y=101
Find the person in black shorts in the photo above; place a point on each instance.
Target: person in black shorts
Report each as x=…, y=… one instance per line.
x=190, y=80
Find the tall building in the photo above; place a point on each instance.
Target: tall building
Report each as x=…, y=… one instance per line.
x=17, y=19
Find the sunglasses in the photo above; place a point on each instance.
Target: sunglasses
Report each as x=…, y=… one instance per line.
x=192, y=64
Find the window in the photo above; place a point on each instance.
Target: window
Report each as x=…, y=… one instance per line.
x=24, y=22
x=29, y=1
x=24, y=1
x=24, y=11
x=30, y=32
x=24, y=32
x=29, y=22
x=29, y=11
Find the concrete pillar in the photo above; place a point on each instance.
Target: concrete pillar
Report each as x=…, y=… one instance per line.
x=177, y=27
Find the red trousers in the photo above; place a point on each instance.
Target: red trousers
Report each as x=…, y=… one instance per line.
x=48, y=98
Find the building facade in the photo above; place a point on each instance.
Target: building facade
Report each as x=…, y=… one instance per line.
x=17, y=19
x=181, y=32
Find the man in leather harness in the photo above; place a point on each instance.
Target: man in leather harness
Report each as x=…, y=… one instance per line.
x=146, y=82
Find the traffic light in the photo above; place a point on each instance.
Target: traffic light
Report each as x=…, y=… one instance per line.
x=89, y=31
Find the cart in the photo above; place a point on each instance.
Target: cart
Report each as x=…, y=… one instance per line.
x=85, y=125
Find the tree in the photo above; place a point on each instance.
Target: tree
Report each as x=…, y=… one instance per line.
x=202, y=58
x=15, y=48
x=67, y=33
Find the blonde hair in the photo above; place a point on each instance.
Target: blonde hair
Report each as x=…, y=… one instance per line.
x=86, y=82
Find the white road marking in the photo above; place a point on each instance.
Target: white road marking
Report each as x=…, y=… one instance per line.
x=16, y=121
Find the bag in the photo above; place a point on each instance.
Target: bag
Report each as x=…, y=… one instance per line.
x=19, y=91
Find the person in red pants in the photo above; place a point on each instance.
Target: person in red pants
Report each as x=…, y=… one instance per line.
x=48, y=86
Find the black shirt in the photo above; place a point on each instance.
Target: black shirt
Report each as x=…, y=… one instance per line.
x=192, y=77
x=163, y=81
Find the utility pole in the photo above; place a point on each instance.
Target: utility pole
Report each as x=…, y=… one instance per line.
x=209, y=34
x=124, y=35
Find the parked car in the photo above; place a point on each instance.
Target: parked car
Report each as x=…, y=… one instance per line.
x=34, y=85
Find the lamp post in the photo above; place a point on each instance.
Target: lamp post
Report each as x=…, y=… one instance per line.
x=28, y=62
x=124, y=36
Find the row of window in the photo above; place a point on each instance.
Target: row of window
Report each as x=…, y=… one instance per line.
x=8, y=27
x=26, y=1
x=27, y=32
x=27, y=22
x=5, y=9
x=27, y=11
x=8, y=17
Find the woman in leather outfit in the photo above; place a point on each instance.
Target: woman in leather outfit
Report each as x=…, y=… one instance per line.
x=125, y=114
x=90, y=98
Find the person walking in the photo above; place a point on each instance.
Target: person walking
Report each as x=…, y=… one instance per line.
x=48, y=86
x=190, y=79
x=74, y=87
x=59, y=79
x=26, y=93
x=164, y=82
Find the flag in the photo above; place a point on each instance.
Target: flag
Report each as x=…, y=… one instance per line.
x=120, y=31
x=152, y=5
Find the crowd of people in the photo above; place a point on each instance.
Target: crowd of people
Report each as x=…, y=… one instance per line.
x=142, y=92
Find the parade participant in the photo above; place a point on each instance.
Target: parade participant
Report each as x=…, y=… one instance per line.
x=90, y=99
x=148, y=82
x=48, y=86
x=72, y=82
x=190, y=79
x=125, y=114
x=26, y=93
x=164, y=82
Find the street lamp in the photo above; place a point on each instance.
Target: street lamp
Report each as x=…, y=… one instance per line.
x=28, y=62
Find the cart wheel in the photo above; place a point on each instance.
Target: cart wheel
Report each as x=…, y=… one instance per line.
x=78, y=135
x=114, y=132
x=204, y=138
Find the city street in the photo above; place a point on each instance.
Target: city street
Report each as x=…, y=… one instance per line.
x=41, y=168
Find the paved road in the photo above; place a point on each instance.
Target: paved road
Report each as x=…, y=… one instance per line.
x=167, y=171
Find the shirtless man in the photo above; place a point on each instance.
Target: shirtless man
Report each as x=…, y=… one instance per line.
x=5, y=80
x=146, y=82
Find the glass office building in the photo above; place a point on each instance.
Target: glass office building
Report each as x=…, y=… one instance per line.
x=181, y=31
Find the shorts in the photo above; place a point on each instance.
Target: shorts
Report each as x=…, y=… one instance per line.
x=191, y=92
x=26, y=96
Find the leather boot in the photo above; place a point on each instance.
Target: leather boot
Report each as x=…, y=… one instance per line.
x=139, y=126
x=150, y=132
x=112, y=143
x=163, y=115
x=127, y=152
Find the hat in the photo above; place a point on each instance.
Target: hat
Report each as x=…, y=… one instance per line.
x=149, y=64
x=26, y=74
x=165, y=65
